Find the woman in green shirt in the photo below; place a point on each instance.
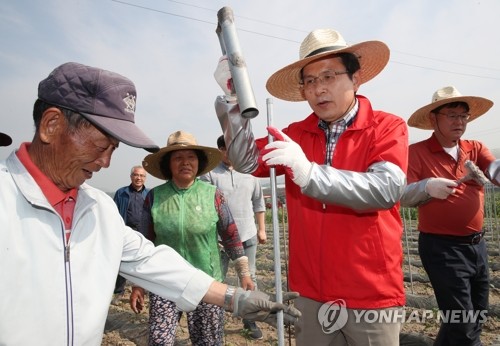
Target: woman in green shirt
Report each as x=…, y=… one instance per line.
x=188, y=215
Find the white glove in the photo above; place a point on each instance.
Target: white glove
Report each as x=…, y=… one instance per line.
x=223, y=77
x=286, y=152
x=440, y=188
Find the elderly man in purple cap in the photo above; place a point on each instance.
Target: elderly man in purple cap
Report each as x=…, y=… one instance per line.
x=63, y=242
x=344, y=167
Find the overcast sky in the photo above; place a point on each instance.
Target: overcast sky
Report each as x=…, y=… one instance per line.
x=170, y=50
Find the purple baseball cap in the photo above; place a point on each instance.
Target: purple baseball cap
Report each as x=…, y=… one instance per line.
x=5, y=140
x=104, y=98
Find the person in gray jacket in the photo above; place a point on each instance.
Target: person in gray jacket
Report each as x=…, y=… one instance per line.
x=63, y=242
x=246, y=202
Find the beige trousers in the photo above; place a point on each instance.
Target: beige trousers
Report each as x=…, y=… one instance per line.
x=360, y=328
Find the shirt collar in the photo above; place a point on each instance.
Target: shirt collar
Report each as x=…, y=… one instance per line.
x=435, y=146
x=347, y=119
x=53, y=194
x=131, y=188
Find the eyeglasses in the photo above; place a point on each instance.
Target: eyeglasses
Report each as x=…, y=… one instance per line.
x=324, y=78
x=453, y=116
x=137, y=175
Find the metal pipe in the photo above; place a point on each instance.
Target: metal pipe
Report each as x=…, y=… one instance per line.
x=228, y=39
x=276, y=233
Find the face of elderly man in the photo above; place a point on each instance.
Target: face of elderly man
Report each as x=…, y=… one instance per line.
x=76, y=154
x=138, y=178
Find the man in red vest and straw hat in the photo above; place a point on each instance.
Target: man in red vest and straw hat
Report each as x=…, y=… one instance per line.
x=344, y=167
x=451, y=211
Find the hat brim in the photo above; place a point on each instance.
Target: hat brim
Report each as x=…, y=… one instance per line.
x=477, y=107
x=5, y=140
x=123, y=130
x=151, y=163
x=285, y=83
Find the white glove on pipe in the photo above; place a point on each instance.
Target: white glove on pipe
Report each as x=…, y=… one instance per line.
x=440, y=188
x=223, y=77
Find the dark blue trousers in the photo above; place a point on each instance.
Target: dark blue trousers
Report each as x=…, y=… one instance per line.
x=459, y=277
x=120, y=285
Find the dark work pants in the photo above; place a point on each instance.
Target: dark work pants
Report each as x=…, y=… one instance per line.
x=120, y=285
x=459, y=277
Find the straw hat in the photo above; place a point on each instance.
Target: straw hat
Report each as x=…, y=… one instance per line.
x=180, y=140
x=477, y=106
x=372, y=55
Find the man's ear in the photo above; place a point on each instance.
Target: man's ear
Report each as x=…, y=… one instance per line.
x=432, y=119
x=302, y=93
x=52, y=123
x=355, y=80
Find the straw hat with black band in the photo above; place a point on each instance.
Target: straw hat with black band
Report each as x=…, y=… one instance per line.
x=372, y=55
x=449, y=94
x=180, y=140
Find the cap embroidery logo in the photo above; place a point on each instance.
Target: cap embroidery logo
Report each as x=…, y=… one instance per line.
x=129, y=103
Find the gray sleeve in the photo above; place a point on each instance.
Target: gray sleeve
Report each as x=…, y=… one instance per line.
x=258, y=197
x=415, y=194
x=493, y=172
x=379, y=188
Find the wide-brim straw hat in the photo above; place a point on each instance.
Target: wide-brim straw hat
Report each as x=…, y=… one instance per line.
x=373, y=57
x=180, y=140
x=477, y=106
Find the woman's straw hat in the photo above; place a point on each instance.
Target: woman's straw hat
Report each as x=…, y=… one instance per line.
x=180, y=140
x=372, y=55
x=477, y=106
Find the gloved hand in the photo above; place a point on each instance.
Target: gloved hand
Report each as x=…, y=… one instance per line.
x=258, y=306
x=286, y=152
x=440, y=188
x=137, y=299
x=223, y=77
